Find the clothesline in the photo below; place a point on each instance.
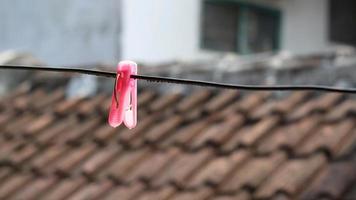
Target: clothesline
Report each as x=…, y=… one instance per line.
x=184, y=81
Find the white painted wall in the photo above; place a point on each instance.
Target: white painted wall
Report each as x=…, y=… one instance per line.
x=161, y=30
x=68, y=32
x=305, y=26
x=61, y=32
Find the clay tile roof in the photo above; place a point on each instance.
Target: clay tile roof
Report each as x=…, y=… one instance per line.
x=205, y=144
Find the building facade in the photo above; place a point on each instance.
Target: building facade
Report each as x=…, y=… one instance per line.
x=183, y=29
x=84, y=31
x=62, y=32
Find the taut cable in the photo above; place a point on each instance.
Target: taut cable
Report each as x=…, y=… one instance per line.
x=184, y=81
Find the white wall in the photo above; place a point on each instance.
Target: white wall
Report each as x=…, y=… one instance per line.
x=161, y=30
x=68, y=32
x=61, y=32
x=305, y=25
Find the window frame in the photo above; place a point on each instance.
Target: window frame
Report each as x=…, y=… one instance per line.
x=241, y=27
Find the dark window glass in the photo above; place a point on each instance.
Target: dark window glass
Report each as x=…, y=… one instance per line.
x=239, y=28
x=343, y=21
x=220, y=27
x=262, y=34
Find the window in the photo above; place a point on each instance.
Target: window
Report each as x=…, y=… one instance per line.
x=342, y=21
x=238, y=27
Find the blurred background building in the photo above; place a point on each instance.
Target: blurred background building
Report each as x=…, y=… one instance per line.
x=66, y=32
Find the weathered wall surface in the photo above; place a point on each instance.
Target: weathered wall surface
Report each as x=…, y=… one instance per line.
x=62, y=32
x=161, y=30
x=68, y=32
x=305, y=25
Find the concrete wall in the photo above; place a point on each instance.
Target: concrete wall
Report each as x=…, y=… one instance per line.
x=61, y=32
x=305, y=25
x=161, y=30
x=68, y=32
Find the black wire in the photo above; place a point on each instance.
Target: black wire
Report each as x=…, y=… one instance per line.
x=61, y=69
x=185, y=81
x=244, y=87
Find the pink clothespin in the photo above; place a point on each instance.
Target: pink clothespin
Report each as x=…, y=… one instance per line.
x=124, y=99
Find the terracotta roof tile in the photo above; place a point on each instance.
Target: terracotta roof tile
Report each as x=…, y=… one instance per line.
x=52, y=97
x=4, y=173
x=282, y=196
x=105, y=133
x=288, y=136
x=134, y=136
x=281, y=106
x=207, y=144
x=52, y=133
x=214, y=172
x=147, y=171
x=15, y=127
x=251, y=101
x=292, y=176
x=252, y=173
x=220, y=100
x=9, y=148
x=145, y=97
x=346, y=108
x=320, y=104
x=333, y=181
x=39, y=124
x=218, y=133
x=23, y=154
x=189, y=103
x=163, y=102
x=158, y=194
x=250, y=135
x=258, y=132
x=124, y=164
x=24, y=102
x=35, y=188
x=67, y=163
x=184, y=135
x=92, y=191
x=124, y=192
x=64, y=188
x=201, y=193
x=21, y=89
x=348, y=146
x=64, y=107
x=41, y=162
x=104, y=106
x=351, y=193
x=329, y=137
x=161, y=129
x=5, y=117
x=77, y=135
x=243, y=195
x=183, y=167
x=99, y=160
x=13, y=185
x=90, y=105
x=216, y=104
